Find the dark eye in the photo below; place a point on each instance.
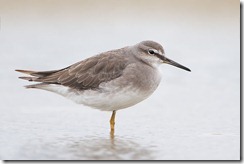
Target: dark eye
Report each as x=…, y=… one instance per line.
x=151, y=52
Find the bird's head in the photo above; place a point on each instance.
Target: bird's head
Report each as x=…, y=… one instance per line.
x=153, y=53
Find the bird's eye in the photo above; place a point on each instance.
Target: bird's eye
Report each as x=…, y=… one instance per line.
x=150, y=51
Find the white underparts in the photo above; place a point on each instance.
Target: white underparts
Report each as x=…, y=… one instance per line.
x=114, y=95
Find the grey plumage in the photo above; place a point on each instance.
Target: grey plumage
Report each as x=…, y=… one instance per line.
x=107, y=66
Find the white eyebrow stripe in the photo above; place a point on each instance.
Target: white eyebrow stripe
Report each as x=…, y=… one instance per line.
x=155, y=50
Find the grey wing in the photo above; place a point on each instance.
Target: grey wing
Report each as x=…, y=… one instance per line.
x=88, y=74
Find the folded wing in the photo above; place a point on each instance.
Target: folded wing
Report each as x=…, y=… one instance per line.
x=87, y=74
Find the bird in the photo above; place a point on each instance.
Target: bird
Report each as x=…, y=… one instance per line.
x=109, y=81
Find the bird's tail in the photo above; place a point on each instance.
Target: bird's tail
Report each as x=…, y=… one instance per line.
x=37, y=73
x=35, y=76
x=39, y=85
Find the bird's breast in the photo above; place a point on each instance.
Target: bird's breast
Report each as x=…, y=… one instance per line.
x=145, y=78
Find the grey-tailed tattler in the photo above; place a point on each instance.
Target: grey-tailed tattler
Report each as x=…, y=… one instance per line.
x=109, y=81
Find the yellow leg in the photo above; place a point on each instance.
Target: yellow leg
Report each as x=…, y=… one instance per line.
x=112, y=122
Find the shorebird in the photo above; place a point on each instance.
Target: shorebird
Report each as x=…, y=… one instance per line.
x=109, y=81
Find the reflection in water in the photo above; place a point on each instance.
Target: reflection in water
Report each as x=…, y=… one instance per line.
x=89, y=148
x=113, y=148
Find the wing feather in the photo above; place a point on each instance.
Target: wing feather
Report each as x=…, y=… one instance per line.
x=88, y=74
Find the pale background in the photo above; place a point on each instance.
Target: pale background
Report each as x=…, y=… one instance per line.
x=191, y=116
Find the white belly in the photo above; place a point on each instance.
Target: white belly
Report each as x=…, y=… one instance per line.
x=110, y=101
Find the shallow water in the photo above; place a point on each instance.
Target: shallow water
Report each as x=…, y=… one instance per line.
x=75, y=134
x=191, y=116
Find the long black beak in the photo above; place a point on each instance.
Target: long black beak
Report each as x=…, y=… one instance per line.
x=171, y=62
